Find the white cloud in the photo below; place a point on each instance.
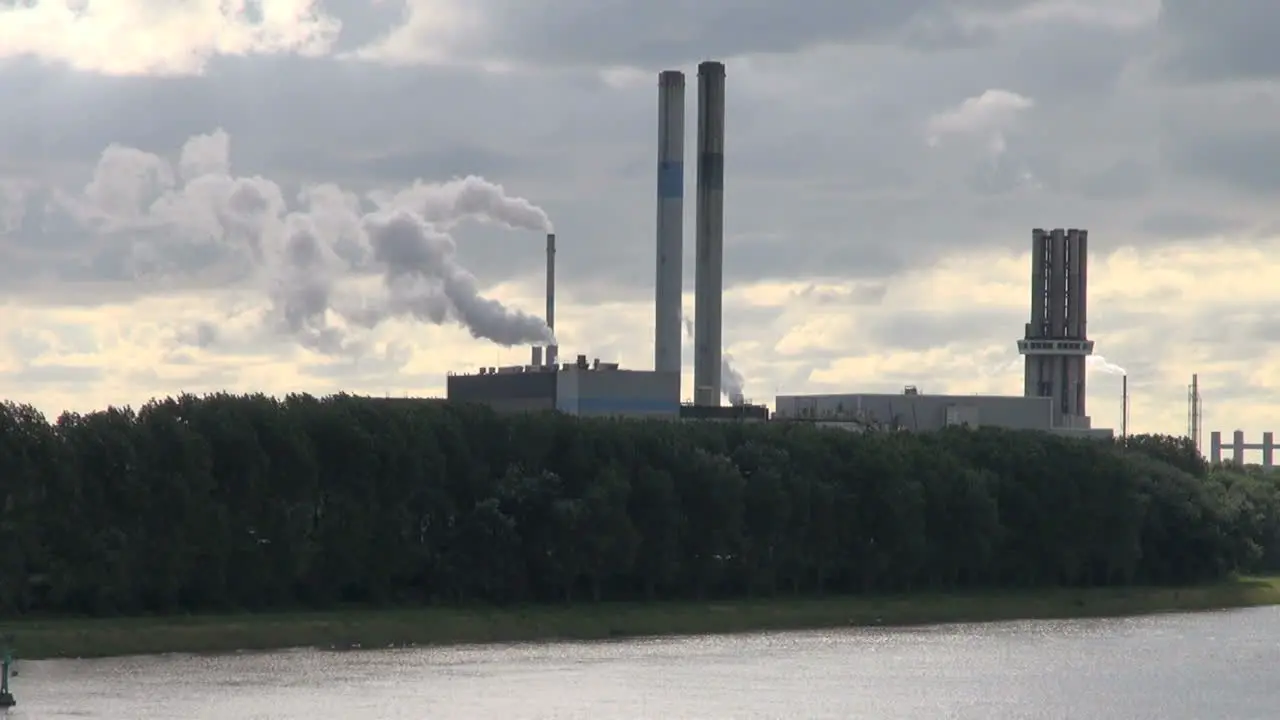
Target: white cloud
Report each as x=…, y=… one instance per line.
x=988, y=116
x=140, y=37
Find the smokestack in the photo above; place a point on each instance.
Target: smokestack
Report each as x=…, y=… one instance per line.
x=552, y=350
x=710, y=235
x=669, y=282
x=1124, y=406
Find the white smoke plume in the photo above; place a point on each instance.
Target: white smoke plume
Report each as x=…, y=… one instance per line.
x=732, y=382
x=191, y=218
x=1102, y=365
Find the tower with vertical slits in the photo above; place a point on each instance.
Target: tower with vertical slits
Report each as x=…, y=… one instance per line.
x=1057, y=343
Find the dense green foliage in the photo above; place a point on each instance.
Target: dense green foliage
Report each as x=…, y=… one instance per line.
x=251, y=502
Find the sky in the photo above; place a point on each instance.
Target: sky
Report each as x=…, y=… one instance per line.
x=323, y=195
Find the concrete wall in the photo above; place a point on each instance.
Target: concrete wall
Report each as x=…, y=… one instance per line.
x=510, y=392
x=921, y=413
x=633, y=393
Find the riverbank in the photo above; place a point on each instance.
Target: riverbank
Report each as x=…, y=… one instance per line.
x=61, y=638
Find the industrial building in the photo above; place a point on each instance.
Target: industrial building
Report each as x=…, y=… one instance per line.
x=578, y=388
x=1056, y=342
x=599, y=388
x=913, y=411
x=1055, y=347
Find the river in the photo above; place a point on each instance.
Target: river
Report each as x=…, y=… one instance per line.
x=1208, y=666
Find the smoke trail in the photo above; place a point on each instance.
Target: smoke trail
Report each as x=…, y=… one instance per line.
x=193, y=218
x=468, y=198
x=732, y=382
x=1102, y=365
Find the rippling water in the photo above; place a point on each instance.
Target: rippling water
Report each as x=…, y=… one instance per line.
x=1211, y=666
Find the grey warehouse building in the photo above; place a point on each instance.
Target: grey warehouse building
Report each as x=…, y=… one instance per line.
x=580, y=388
x=924, y=413
x=920, y=413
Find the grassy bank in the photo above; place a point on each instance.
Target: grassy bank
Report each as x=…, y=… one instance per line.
x=35, y=639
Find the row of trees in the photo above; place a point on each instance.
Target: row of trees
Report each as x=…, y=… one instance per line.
x=219, y=502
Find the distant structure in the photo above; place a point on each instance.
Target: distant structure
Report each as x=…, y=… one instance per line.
x=709, y=268
x=1055, y=347
x=1124, y=406
x=583, y=387
x=551, y=303
x=1195, y=413
x=1056, y=342
x=669, y=282
x=916, y=412
x=1239, y=446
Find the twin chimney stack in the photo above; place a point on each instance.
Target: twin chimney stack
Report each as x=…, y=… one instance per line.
x=709, y=239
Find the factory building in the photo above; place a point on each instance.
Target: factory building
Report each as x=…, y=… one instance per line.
x=919, y=413
x=1055, y=347
x=580, y=388
x=916, y=412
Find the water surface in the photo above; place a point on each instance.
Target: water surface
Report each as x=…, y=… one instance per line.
x=1209, y=666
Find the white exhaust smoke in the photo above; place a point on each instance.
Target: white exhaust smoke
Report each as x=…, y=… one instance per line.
x=732, y=382
x=1102, y=365
x=180, y=222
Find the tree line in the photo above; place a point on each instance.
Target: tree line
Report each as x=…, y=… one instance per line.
x=250, y=502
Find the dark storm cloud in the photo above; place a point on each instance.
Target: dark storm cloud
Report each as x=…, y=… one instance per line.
x=1126, y=179
x=653, y=32
x=819, y=181
x=279, y=109
x=1214, y=41
x=1247, y=161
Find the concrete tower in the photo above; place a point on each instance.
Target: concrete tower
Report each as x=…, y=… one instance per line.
x=709, y=282
x=669, y=284
x=553, y=351
x=1057, y=340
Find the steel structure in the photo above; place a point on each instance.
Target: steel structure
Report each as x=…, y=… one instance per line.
x=1195, y=413
x=669, y=285
x=1239, y=446
x=1056, y=343
x=709, y=275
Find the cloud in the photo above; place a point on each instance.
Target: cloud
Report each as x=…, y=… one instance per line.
x=988, y=116
x=143, y=37
x=1206, y=42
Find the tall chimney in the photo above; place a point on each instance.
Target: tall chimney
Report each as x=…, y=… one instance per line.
x=709, y=270
x=669, y=281
x=1124, y=406
x=552, y=350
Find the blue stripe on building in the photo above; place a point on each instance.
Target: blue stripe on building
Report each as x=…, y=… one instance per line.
x=624, y=405
x=670, y=180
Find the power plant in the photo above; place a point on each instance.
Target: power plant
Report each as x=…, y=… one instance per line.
x=1055, y=344
x=1055, y=347
x=595, y=388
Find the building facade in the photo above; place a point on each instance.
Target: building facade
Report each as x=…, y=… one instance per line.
x=919, y=413
x=579, y=388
